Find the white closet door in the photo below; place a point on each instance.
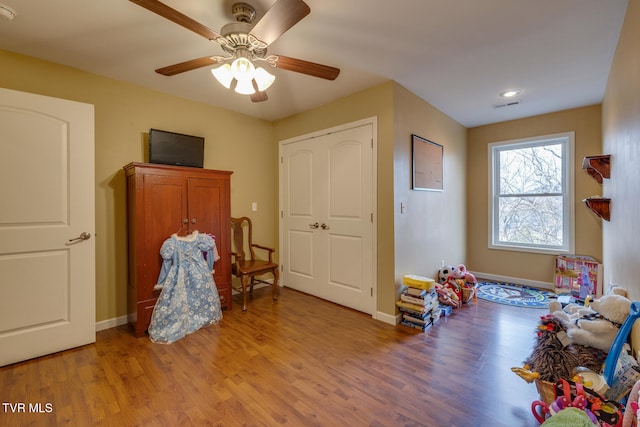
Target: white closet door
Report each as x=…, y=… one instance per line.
x=327, y=216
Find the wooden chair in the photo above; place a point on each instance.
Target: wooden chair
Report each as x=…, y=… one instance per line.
x=246, y=269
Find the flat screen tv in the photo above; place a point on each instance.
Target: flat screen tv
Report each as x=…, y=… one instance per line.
x=170, y=148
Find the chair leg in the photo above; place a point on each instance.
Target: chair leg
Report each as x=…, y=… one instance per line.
x=274, y=287
x=244, y=280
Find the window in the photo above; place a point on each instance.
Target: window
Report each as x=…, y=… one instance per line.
x=531, y=194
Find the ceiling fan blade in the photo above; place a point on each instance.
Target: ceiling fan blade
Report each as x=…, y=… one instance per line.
x=172, y=70
x=306, y=67
x=171, y=14
x=283, y=15
x=259, y=97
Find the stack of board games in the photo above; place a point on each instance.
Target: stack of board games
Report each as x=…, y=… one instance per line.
x=418, y=302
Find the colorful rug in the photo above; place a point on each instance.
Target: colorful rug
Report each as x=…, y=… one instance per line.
x=515, y=295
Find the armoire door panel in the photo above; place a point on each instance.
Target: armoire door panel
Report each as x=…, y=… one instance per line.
x=203, y=195
x=165, y=200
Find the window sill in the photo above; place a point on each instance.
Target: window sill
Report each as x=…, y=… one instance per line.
x=529, y=249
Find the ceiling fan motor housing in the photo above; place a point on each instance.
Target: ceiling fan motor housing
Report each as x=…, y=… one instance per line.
x=236, y=35
x=243, y=12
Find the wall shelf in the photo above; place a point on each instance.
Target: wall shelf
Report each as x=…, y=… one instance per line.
x=600, y=206
x=597, y=166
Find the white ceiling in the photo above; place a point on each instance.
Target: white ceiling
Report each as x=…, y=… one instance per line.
x=455, y=54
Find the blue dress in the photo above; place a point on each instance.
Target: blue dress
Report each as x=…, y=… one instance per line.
x=189, y=299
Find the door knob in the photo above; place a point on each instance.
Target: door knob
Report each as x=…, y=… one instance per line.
x=83, y=236
x=324, y=226
x=315, y=225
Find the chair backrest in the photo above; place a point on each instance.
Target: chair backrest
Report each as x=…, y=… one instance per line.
x=237, y=226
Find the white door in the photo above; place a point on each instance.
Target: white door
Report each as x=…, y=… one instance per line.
x=327, y=216
x=47, y=279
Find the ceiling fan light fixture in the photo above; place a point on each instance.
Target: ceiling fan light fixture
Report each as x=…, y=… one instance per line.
x=245, y=74
x=245, y=87
x=223, y=74
x=242, y=69
x=263, y=79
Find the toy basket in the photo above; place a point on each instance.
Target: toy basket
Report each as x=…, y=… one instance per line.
x=467, y=294
x=546, y=390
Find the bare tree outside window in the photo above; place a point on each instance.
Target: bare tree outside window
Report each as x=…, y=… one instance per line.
x=530, y=189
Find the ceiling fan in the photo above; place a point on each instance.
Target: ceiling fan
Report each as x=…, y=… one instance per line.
x=245, y=42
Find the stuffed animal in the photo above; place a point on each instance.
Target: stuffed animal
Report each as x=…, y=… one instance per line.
x=597, y=325
x=467, y=282
x=554, y=357
x=457, y=274
x=449, y=293
x=445, y=272
x=631, y=414
x=459, y=271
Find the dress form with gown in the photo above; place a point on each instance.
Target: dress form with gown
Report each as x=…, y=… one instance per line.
x=189, y=299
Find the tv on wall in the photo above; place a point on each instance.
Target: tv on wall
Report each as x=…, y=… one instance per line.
x=170, y=148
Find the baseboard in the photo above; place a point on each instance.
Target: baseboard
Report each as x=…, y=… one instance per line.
x=111, y=323
x=516, y=280
x=387, y=318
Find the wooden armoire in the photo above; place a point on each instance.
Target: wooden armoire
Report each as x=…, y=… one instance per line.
x=163, y=200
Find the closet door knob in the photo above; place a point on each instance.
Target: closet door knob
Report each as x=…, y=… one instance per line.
x=324, y=226
x=193, y=220
x=314, y=226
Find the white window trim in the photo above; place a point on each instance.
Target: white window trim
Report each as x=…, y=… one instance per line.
x=569, y=203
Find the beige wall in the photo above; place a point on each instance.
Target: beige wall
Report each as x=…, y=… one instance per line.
x=432, y=229
x=621, y=139
x=123, y=114
x=585, y=122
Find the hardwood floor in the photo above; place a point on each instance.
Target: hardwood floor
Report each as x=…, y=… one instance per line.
x=297, y=362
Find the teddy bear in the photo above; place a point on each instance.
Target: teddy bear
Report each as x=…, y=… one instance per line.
x=596, y=325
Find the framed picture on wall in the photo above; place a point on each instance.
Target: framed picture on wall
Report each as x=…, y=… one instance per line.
x=427, y=166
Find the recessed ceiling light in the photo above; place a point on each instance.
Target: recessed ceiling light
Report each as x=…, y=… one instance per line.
x=509, y=93
x=7, y=12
